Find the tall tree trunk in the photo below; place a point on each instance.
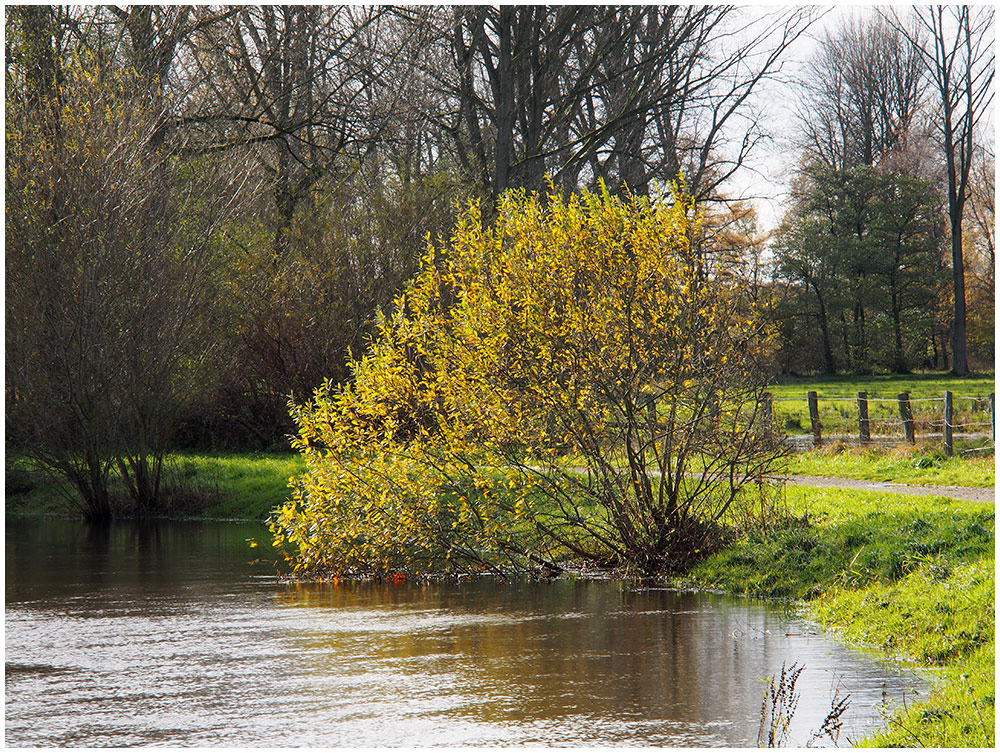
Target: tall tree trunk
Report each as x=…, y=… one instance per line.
x=40, y=68
x=861, y=341
x=958, y=51
x=897, y=329
x=285, y=205
x=959, y=352
x=824, y=328
x=502, y=80
x=845, y=337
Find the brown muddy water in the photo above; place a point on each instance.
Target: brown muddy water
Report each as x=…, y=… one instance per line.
x=171, y=634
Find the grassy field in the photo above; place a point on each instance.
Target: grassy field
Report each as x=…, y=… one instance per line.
x=887, y=385
x=838, y=408
x=913, y=577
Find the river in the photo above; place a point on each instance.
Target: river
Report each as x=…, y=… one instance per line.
x=174, y=634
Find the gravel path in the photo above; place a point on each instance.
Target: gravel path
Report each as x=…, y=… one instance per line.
x=970, y=493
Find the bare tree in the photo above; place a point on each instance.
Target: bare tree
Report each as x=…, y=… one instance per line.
x=958, y=53
x=328, y=108
x=624, y=95
x=864, y=88
x=143, y=39
x=109, y=238
x=313, y=89
x=518, y=73
x=984, y=212
x=640, y=95
x=709, y=122
x=33, y=49
x=980, y=244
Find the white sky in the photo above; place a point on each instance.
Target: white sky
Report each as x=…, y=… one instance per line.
x=768, y=171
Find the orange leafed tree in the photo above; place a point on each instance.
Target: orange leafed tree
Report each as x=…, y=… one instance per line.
x=575, y=382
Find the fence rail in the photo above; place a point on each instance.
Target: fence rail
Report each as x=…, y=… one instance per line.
x=878, y=420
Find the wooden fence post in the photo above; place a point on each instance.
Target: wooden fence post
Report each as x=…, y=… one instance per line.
x=906, y=414
x=949, y=439
x=817, y=426
x=864, y=431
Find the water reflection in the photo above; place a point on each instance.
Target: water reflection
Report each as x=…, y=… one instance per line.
x=170, y=635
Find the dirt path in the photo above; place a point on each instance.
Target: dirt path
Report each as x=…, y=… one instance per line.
x=970, y=493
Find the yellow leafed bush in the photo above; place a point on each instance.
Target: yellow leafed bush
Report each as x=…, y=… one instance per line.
x=575, y=381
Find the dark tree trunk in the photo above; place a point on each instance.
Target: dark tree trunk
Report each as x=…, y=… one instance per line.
x=503, y=88
x=824, y=328
x=959, y=353
x=899, y=363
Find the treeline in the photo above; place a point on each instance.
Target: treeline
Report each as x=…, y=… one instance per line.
x=207, y=207
x=885, y=256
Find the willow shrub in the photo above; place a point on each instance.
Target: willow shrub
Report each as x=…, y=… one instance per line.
x=574, y=382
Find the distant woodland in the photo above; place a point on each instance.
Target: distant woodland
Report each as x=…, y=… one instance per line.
x=207, y=208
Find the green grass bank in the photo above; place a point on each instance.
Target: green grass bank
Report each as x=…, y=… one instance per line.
x=922, y=465
x=913, y=577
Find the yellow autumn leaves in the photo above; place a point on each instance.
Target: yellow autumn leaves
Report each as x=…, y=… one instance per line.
x=482, y=430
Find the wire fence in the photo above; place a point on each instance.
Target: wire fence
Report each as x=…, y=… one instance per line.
x=811, y=421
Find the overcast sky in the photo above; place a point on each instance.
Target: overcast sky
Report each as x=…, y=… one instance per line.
x=765, y=179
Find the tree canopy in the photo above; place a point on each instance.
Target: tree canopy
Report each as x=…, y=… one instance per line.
x=863, y=247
